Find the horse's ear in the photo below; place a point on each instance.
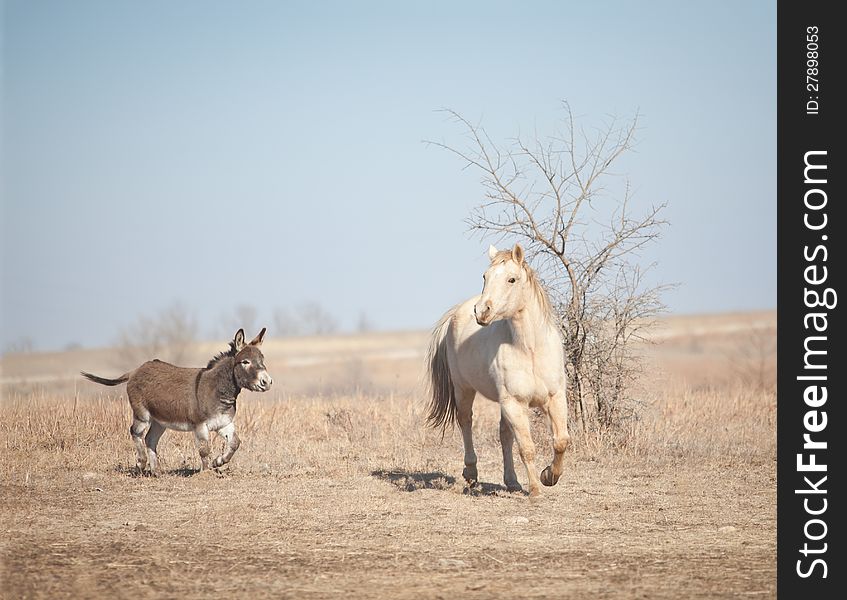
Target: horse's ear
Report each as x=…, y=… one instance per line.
x=238, y=340
x=517, y=254
x=492, y=251
x=257, y=341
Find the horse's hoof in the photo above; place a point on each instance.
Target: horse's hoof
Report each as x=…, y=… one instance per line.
x=471, y=476
x=534, y=493
x=514, y=487
x=547, y=477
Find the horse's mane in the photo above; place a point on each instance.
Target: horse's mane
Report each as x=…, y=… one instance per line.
x=222, y=354
x=534, y=282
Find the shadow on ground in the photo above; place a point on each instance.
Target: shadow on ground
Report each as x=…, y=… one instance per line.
x=412, y=481
x=180, y=472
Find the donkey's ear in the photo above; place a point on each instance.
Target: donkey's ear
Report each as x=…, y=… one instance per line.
x=257, y=341
x=517, y=254
x=492, y=252
x=238, y=340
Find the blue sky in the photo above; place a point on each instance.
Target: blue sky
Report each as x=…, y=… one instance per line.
x=270, y=153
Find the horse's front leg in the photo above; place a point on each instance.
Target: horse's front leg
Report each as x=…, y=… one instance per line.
x=515, y=414
x=507, y=441
x=232, y=444
x=557, y=411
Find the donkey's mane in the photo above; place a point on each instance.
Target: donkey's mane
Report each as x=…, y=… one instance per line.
x=534, y=282
x=222, y=355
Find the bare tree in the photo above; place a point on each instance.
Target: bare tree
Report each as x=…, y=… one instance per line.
x=558, y=196
x=316, y=320
x=307, y=319
x=364, y=324
x=167, y=335
x=286, y=323
x=243, y=317
x=22, y=345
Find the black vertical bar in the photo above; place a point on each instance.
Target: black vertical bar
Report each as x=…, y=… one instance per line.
x=811, y=226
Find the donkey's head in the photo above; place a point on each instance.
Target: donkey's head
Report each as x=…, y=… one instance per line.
x=249, y=368
x=504, y=286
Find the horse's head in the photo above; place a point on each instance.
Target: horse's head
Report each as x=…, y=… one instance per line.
x=504, y=290
x=249, y=368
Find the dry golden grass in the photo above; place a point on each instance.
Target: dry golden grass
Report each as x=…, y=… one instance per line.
x=337, y=492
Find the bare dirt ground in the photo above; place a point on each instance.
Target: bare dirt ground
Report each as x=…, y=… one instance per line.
x=339, y=490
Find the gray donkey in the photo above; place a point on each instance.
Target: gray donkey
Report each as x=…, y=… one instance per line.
x=164, y=396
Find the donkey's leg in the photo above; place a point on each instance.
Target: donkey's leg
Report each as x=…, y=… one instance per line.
x=152, y=439
x=557, y=411
x=507, y=440
x=204, y=447
x=136, y=430
x=516, y=416
x=464, y=415
x=232, y=444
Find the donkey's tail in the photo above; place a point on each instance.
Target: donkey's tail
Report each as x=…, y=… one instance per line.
x=442, y=403
x=102, y=380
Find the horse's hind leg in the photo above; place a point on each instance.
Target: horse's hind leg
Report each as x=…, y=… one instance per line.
x=517, y=418
x=136, y=430
x=232, y=444
x=507, y=441
x=464, y=415
x=152, y=440
x=557, y=411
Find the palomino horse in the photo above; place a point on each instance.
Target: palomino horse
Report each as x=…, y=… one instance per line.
x=506, y=345
x=163, y=396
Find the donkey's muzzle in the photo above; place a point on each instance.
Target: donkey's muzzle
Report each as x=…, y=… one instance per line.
x=265, y=382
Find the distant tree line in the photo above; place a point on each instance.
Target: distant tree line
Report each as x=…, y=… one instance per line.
x=169, y=333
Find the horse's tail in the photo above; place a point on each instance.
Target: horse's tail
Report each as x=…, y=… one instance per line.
x=103, y=381
x=442, y=403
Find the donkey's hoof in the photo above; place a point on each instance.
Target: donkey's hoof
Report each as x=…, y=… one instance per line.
x=470, y=474
x=547, y=477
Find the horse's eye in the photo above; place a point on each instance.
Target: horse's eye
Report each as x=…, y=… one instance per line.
x=245, y=362
x=511, y=280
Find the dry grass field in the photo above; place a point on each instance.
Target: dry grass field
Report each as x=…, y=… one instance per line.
x=339, y=490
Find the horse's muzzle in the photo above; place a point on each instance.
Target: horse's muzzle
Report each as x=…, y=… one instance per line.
x=482, y=317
